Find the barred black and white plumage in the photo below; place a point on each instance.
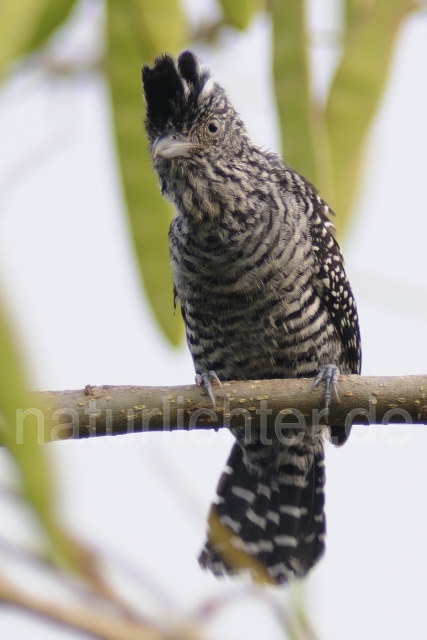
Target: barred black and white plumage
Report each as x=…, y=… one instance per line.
x=264, y=294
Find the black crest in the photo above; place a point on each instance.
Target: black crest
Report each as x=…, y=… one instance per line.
x=171, y=90
x=189, y=69
x=164, y=90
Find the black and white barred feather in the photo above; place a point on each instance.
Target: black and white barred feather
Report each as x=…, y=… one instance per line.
x=264, y=294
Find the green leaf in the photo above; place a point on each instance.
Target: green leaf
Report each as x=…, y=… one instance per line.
x=24, y=26
x=26, y=450
x=157, y=27
x=239, y=13
x=138, y=30
x=292, y=86
x=23, y=432
x=356, y=92
x=17, y=25
x=55, y=12
x=356, y=12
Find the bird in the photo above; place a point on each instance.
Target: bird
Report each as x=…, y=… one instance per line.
x=260, y=279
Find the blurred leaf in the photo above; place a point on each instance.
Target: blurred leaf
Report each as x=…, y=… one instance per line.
x=18, y=21
x=55, y=12
x=26, y=445
x=25, y=26
x=135, y=36
x=356, y=92
x=356, y=12
x=239, y=13
x=28, y=454
x=292, y=86
x=157, y=26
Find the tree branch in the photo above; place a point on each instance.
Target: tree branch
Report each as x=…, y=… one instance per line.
x=96, y=624
x=267, y=404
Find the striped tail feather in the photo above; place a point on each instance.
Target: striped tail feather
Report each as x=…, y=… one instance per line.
x=270, y=526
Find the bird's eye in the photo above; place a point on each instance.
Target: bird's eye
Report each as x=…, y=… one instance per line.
x=213, y=128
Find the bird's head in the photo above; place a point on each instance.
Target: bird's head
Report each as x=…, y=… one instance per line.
x=189, y=115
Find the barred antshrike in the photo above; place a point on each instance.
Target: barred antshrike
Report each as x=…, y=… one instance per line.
x=264, y=294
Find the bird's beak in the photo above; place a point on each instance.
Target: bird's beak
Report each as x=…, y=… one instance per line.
x=169, y=146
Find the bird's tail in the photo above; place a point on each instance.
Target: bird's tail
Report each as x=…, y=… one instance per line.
x=270, y=525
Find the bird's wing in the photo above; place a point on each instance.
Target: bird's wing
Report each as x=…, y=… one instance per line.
x=330, y=282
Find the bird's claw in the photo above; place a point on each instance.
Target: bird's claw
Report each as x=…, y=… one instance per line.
x=205, y=380
x=329, y=374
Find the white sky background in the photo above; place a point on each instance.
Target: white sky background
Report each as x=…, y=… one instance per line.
x=66, y=267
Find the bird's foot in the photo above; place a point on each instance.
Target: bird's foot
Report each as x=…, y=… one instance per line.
x=205, y=380
x=329, y=373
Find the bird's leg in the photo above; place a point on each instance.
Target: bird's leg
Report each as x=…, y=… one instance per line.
x=330, y=374
x=205, y=380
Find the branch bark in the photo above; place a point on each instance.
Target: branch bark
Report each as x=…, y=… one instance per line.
x=265, y=404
